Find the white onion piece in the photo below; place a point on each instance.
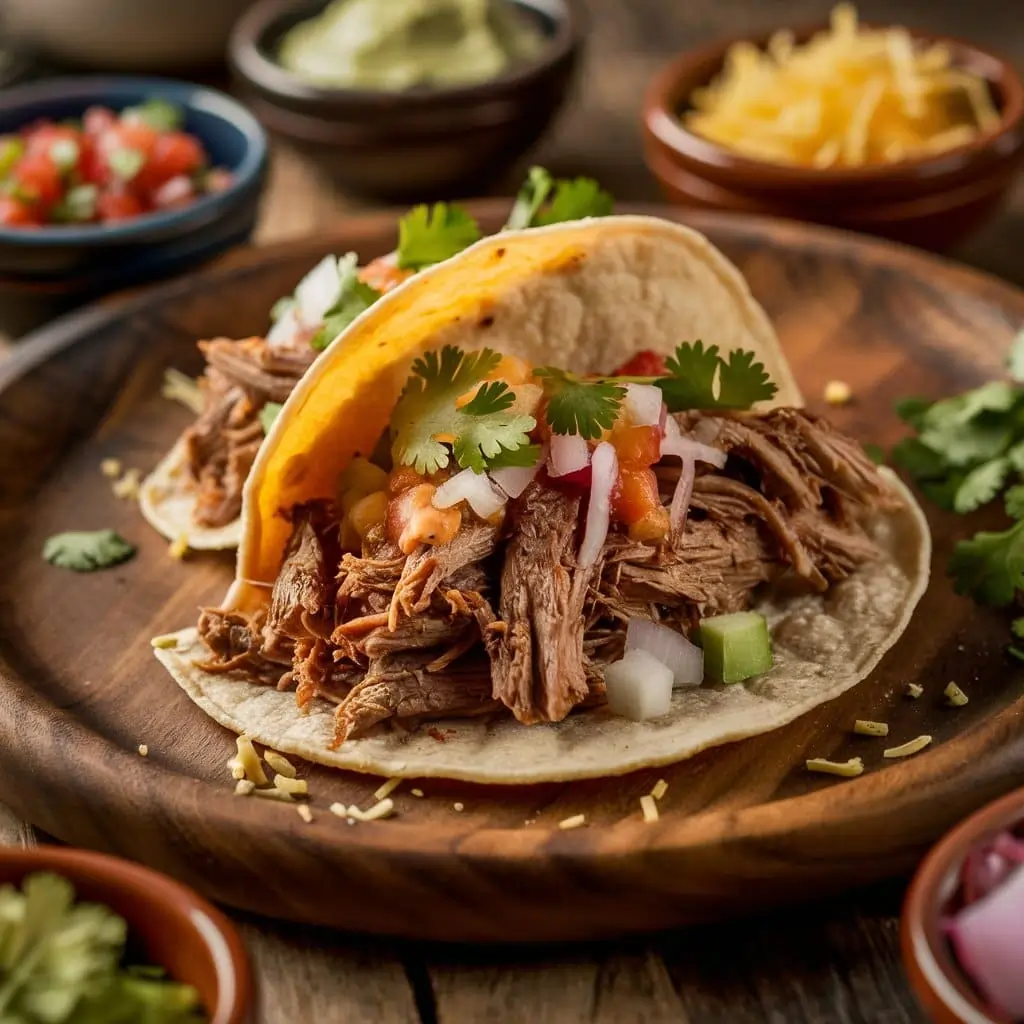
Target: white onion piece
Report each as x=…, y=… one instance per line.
x=568, y=454
x=285, y=329
x=671, y=648
x=988, y=937
x=473, y=488
x=681, y=499
x=643, y=404
x=687, y=449
x=638, y=687
x=318, y=291
x=604, y=467
x=513, y=480
x=174, y=192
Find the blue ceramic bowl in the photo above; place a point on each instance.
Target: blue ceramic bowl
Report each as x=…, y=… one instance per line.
x=48, y=270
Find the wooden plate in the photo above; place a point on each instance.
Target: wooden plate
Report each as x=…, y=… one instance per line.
x=742, y=826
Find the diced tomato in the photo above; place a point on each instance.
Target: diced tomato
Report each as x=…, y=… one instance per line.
x=42, y=138
x=644, y=364
x=637, y=446
x=577, y=478
x=174, y=192
x=38, y=179
x=219, y=180
x=118, y=206
x=129, y=135
x=16, y=213
x=173, y=154
x=637, y=494
x=97, y=120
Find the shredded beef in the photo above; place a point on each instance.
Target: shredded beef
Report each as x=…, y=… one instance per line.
x=252, y=364
x=301, y=592
x=235, y=645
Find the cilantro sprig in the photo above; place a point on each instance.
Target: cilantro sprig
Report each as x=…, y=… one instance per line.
x=570, y=199
x=87, y=550
x=428, y=416
x=965, y=452
x=578, y=406
x=428, y=235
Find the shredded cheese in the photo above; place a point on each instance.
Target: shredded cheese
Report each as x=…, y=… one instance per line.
x=908, y=748
x=179, y=387
x=387, y=788
x=236, y=769
x=660, y=789
x=956, y=697
x=458, y=806
x=914, y=691
x=243, y=787
x=280, y=764
x=249, y=761
x=576, y=821
x=305, y=813
x=338, y=810
x=273, y=793
x=129, y=487
x=865, y=728
x=846, y=769
x=838, y=392
x=164, y=643
x=178, y=548
x=143, y=750
x=295, y=787
x=111, y=468
x=649, y=807
x=416, y=792
x=381, y=809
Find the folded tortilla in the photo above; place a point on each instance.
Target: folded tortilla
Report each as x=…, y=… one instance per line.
x=583, y=296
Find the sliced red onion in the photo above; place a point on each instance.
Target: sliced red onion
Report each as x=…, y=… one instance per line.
x=643, y=404
x=568, y=453
x=174, y=192
x=687, y=449
x=318, y=291
x=604, y=467
x=473, y=488
x=670, y=647
x=988, y=938
x=513, y=480
x=681, y=499
x=638, y=687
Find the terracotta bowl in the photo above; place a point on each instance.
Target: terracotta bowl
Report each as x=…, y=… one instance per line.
x=933, y=201
x=938, y=982
x=423, y=143
x=174, y=927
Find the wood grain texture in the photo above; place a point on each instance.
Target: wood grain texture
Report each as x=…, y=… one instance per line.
x=742, y=826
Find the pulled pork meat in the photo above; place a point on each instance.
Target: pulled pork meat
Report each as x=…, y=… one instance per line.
x=221, y=446
x=389, y=637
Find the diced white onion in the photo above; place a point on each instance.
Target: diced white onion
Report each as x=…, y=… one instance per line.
x=569, y=453
x=604, y=467
x=173, y=192
x=671, y=648
x=473, y=488
x=286, y=328
x=687, y=449
x=638, y=687
x=643, y=404
x=681, y=498
x=318, y=291
x=513, y=480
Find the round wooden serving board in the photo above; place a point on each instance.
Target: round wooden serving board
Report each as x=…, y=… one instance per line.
x=741, y=827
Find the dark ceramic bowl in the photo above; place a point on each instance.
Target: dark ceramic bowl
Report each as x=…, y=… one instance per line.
x=937, y=980
x=48, y=270
x=933, y=201
x=171, y=926
x=424, y=143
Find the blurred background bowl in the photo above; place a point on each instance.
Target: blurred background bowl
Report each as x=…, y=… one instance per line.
x=125, y=35
x=424, y=143
x=934, y=201
x=48, y=270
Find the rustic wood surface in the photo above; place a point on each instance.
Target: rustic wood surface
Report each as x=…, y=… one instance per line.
x=834, y=963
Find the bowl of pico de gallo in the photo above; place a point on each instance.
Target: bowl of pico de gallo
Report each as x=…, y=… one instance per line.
x=107, y=182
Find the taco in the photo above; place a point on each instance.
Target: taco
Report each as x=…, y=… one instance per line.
x=195, y=493
x=456, y=519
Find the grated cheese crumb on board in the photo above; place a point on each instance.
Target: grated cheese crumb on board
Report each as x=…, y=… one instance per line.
x=249, y=761
x=649, y=807
x=179, y=387
x=143, y=750
x=164, y=643
x=908, y=748
x=845, y=769
x=294, y=787
x=111, y=468
x=381, y=809
x=914, y=691
x=416, y=792
x=865, y=728
x=576, y=821
x=338, y=810
x=458, y=806
x=387, y=788
x=273, y=793
x=956, y=697
x=178, y=549
x=129, y=487
x=660, y=789
x=305, y=813
x=243, y=787
x=838, y=392
x=280, y=764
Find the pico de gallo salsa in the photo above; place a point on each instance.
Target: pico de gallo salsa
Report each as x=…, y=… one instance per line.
x=104, y=167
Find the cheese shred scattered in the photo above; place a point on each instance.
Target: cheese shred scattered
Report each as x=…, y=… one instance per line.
x=649, y=807
x=111, y=468
x=143, y=750
x=243, y=787
x=280, y=764
x=129, y=487
x=457, y=806
x=381, y=809
x=913, y=747
x=660, y=789
x=914, y=691
x=865, y=728
x=956, y=697
x=576, y=821
x=249, y=761
x=179, y=387
x=416, y=792
x=305, y=813
x=338, y=810
x=164, y=643
x=838, y=392
x=294, y=787
x=846, y=769
x=387, y=788
x=178, y=549
x=273, y=793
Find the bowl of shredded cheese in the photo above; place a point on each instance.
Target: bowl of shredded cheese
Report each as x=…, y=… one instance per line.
x=875, y=128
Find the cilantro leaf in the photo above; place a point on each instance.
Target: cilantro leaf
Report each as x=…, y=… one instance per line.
x=693, y=371
x=1016, y=456
x=1017, y=628
x=964, y=443
x=943, y=492
x=427, y=416
x=429, y=235
x=1016, y=652
x=1014, y=499
x=159, y=114
x=529, y=198
x=509, y=458
x=911, y=410
x=268, y=414
x=85, y=551
x=573, y=200
x=576, y=406
x=920, y=461
x=981, y=485
x=1015, y=358
x=354, y=297
x=990, y=566
x=995, y=396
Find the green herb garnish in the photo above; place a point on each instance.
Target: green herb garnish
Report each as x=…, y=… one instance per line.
x=87, y=551
x=160, y=115
x=354, y=297
x=428, y=235
x=578, y=406
x=570, y=200
x=427, y=417
x=699, y=378
x=268, y=414
x=125, y=162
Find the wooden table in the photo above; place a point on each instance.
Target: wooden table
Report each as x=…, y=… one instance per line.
x=833, y=963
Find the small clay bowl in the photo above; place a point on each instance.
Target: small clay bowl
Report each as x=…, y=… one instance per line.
x=170, y=925
x=937, y=980
x=933, y=201
x=423, y=143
